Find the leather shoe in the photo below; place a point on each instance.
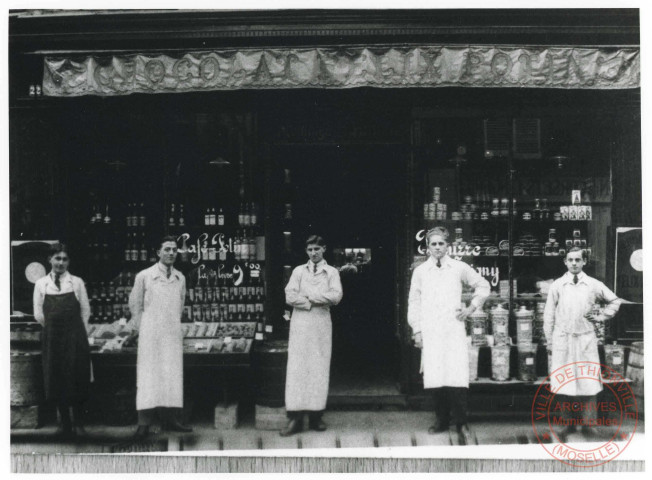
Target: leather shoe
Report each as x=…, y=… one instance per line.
x=317, y=425
x=176, y=426
x=293, y=426
x=465, y=435
x=438, y=427
x=141, y=432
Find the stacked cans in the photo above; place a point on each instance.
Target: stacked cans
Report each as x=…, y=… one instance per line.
x=576, y=211
x=435, y=210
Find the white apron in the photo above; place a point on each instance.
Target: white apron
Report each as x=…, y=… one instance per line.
x=444, y=356
x=309, y=351
x=160, y=348
x=567, y=349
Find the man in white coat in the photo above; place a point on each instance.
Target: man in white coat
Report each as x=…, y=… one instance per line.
x=437, y=318
x=156, y=303
x=568, y=324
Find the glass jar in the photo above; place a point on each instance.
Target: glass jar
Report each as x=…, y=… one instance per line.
x=527, y=362
x=524, y=320
x=500, y=325
x=478, y=328
x=500, y=363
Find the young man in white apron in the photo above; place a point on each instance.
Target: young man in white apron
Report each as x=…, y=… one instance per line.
x=438, y=325
x=156, y=303
x=569, y=329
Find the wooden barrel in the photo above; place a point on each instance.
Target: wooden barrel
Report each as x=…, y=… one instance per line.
x=635, y=370
x=26, y=378
x=270, y=365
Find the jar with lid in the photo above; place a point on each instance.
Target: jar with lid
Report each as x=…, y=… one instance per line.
x=524, y=320
x=500, y=325
x=527, y=362
x=615, y=358
x=478, y=328
x=500, y=363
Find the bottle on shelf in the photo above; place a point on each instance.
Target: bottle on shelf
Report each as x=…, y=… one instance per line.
x=241, y=215
x=135, y=251
x=171, y=220
x=536, y=211
x=142, y=218
x=254, y=214
x=143, y=248
x=107, y=218
x=220, y=217
x=182, y=220
x=545, y=211
x=246, y=215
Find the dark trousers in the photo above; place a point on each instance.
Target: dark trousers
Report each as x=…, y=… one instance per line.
x=313, y=415
x=165, y=414
x=576, y=410
x=451, y=404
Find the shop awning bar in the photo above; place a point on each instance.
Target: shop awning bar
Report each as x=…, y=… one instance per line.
x=389, y=67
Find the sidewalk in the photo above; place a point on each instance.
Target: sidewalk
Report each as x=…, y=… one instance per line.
x=346, y=429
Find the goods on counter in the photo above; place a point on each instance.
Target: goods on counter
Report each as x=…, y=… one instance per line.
x=473, y=362
x=615, y=358
x=500, y=325
x=527, y=362
x=227, y=329
x=500, y=363
x=524, y=321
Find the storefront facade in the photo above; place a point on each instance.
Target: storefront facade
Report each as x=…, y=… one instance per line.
x=242, y=133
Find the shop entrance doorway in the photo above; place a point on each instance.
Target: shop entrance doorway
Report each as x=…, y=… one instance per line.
x=354, y=198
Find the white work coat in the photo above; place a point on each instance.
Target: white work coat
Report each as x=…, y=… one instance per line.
x=156, y=303
x=435, y=298
x=570, y=335
x=310, y=343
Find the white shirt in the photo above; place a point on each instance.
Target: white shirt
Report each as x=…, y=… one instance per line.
x=69, y=283
x=444, y=289
x=568, y=302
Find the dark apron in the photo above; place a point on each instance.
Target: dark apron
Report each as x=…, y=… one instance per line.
x=66, y=354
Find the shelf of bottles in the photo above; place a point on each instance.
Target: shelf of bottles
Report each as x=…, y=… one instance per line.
x=222, y=254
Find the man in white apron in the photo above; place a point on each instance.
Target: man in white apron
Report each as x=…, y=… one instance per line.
x=156, y=303
x=569, y=320
x=437, y=319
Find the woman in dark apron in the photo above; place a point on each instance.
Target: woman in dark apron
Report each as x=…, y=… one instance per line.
x=61, y=306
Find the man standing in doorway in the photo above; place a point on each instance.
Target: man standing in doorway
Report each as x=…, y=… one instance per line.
x=568, y=325
x=437, y=318
x=156, y=303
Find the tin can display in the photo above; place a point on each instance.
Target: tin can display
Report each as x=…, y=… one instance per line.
x=581, y=212
x=456, y=216
x=436, y=191
x=589, y=212
x=552, y=234
x=527, y=216
x=524, y=321
x=556, y=216
x=473, y=362
x=572, y=213
x=500, y=363
x=563, y=211
x=484, y=216
x=527, y=362
x=577, y=242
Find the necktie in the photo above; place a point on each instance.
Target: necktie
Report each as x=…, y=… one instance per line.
x=314, y=268
x=57, y=282
x=575, y=279
x=438, y=263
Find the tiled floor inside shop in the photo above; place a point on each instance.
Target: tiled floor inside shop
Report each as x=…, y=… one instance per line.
x=346, y=429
